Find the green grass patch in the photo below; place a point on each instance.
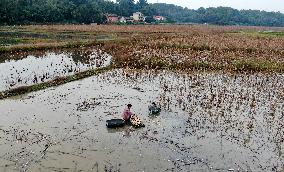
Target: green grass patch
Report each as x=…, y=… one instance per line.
x=257, y=33
x=257, y=66
x=47, y=46
x=272, y=33
x=5, y=41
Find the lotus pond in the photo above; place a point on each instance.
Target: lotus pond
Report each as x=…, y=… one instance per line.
x=210, y=121
x=25, y=69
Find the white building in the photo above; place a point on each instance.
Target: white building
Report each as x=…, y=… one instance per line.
x=159, y=18
x=138, y=17
x=122, y=19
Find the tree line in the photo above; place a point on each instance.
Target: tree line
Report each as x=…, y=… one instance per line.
x=93, y=11
x=67, y=11
x=220, y=15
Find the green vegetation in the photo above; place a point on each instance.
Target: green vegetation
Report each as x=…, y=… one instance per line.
x=22, y=39
x=259, y=34
x=220, y=15
x=67, y=11
x=258, y=66
x=93, y=11
x=10, y=41
x=48, y=46
x=272, y=33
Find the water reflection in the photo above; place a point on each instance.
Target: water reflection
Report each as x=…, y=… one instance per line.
x=37, y=69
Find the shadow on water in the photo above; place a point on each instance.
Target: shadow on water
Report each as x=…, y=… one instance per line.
x=208, y=122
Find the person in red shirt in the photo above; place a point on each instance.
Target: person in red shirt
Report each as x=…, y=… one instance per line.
x=127, y=113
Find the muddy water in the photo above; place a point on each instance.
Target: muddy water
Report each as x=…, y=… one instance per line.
x=32, y=69
x=209, y=122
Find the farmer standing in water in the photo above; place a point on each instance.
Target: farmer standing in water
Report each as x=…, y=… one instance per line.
x=127, y=113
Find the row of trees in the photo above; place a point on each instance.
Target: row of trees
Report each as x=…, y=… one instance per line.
x=89, y=11
x=220, y=15
x=66, y=11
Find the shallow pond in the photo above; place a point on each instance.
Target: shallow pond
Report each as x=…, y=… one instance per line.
x=209, y=122
x=34, y=69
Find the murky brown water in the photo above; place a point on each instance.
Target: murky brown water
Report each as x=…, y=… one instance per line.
x=30, y=69
x=209, y=122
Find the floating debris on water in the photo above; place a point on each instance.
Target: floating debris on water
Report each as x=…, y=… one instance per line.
x=209, y=127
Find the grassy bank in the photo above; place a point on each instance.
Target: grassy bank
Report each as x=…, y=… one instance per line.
x=48, y=46
x=55, y=82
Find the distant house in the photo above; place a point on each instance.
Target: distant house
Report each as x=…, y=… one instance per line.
x=138, y=17
x=112, y=18
x=159, y=18
x=129, y=19
x=122, y=19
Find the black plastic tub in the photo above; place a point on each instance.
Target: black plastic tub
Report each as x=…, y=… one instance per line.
x=115, y=123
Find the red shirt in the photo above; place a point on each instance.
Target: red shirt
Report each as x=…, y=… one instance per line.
x=126, y=114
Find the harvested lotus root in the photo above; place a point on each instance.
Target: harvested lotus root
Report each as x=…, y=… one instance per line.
x=136, y=121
